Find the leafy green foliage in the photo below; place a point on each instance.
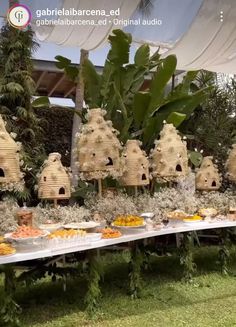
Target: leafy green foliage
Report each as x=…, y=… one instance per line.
x=212, y=126
x=135, y=112
x=10, y=309
x=224, y=251
x=93, y=293
x=40, y=102
x=71, y=70
x=136, y=264
x=186, y=256
x=195, y=158
x=16, y=91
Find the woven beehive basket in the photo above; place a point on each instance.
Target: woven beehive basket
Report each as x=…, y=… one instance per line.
x=208, y=177
x=169, y=158
x=231, y=165
x=98, y=148
x=136, y=165
x=54, y=181
x=9, y=157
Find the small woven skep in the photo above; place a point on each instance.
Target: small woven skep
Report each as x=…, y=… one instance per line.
x=231, y=165
x=54, y=181
x=207, y=176
x=169, y=158
x=98, y=148
x=9, y=157
x=136, y=165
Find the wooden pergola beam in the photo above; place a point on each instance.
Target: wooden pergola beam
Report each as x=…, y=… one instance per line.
x=41, y=77
x=69, y=91
x=56, y=85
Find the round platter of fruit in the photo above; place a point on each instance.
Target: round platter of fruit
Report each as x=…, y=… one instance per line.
x=129, y=221
x=192, y=219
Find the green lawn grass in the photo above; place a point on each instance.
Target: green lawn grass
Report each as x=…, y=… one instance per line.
x=166, y=301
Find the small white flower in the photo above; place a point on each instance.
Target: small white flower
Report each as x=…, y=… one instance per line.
x=13, y=135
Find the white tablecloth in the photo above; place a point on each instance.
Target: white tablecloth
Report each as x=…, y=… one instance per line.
x=137, y=235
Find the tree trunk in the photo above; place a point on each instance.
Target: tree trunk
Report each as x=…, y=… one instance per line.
x=79, y=100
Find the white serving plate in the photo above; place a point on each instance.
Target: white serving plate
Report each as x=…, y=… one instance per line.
x=93, y=237
x=193, y=222
x=9, y=237
x=50, y=227
x=147, y=215
x=129, y=227
x=83, y=225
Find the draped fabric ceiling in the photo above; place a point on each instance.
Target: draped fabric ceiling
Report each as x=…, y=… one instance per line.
x=191, y=29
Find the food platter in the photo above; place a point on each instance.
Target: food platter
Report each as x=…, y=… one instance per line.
x=82, y=225
x=9, y=237
x=50, y=227
x=129, y=227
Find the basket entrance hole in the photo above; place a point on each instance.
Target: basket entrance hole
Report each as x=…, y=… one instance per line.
x=62, y=190
x=213, y=184
x=178, y=168
x=2, y=174
x=110, y=162
x=144, y=177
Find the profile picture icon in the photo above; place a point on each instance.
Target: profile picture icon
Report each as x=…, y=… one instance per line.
x=19, y=16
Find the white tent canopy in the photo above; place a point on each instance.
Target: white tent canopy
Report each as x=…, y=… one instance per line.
x=191, y=29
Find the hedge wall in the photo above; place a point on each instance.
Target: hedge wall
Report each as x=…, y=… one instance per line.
x=57, y=125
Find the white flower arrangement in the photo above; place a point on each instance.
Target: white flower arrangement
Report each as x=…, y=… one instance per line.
x=67, y=214
x=8, y=208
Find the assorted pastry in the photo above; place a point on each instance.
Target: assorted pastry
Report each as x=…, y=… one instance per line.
x=67, y=233
x=128, y=221
x=208, y=212
x=177, y=214
x=110, y=233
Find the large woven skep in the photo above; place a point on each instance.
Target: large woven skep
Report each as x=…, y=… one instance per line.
x=54, y=181
x=136, y=165
x=169, y=158
x=208, y=177
x=9, y=157
x=98, y=148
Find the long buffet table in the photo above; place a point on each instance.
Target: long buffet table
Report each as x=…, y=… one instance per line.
x=172, y=228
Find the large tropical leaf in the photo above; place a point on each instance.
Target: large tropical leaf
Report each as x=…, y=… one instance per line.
x=120, y=46
x=41, y=102
x=140, y=106
x=152, y=129
x=176, y=118
x=70, y=70
x=106, y=79
x=92, y=84
x=62, y=62
x=185, y=104
x=141, y=57
x=164, y=73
